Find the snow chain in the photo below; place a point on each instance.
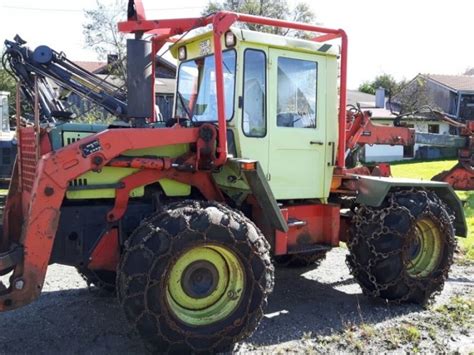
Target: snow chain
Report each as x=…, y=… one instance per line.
x=368, y=216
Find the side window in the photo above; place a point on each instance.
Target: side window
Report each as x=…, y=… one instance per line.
x=253, y=113
x=296, y=99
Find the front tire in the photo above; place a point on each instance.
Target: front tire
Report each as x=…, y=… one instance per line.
x=402, y=250
x=195, y=277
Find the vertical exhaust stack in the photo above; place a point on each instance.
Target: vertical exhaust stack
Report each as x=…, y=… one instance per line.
x=140, y=81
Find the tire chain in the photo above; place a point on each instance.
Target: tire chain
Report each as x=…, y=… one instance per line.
x=366, y=216
x=261, y=244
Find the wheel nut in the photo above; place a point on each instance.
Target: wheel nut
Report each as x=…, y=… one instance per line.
x=19, y=284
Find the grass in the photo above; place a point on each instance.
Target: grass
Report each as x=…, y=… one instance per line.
x=425, y=171
x=423, y=333
x=458, y=312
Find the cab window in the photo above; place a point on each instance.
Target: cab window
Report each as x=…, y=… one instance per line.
x=254, y=115
x=296, y=99
x=196, y=92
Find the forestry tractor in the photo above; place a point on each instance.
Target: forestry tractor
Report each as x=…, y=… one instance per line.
x=185, y=218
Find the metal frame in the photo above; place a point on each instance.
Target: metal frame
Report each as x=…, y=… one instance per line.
x=39, y=204
x=39, y=208
x=164, y=30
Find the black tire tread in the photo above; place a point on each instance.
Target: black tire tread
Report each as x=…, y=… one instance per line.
x=379, y=263
x=150, y=250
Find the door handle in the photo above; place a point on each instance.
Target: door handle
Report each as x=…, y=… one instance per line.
x=316, y=142
x=333, y=156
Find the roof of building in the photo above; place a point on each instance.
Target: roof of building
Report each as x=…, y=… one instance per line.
x=455, y=82
x=354, y=97
x=165, y=86
x=99, y=67
x=367, y=103
x=90, y=66
x=380, y=113
x=165, y=62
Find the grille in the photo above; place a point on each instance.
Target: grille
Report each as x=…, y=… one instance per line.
x=78, y=182
x=28, y=162
x=71, y=140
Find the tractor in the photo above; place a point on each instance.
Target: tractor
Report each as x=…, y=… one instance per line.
x=185, y=218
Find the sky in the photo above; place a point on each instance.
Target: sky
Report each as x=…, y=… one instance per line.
x=402, y=38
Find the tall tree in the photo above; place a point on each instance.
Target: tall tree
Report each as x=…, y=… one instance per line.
x=385, y=81
x=8, y=84
x=278, y=9
x=414, y=95
x=102, y=35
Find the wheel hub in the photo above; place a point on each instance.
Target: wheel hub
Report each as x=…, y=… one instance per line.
x=205, y=284
x=425, y=251
x=200, y=279
x=415, y=248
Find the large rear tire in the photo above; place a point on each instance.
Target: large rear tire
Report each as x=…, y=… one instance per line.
x=402, y=250
x=195, y=277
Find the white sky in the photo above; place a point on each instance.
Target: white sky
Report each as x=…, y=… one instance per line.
x=402, y=37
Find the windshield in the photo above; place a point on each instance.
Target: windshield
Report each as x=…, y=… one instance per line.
x=196, y=92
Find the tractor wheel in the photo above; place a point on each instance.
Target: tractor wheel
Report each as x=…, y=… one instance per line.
x=402, y=250
x=195, y=277
x=104, y=280
x=302, y=260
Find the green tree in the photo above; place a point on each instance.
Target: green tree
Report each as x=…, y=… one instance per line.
x=102, y=35
x=8, y=84
x=277, y=9
x=385, y=81
x=367, y=87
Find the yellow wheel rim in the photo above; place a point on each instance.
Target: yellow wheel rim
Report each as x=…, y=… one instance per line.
x=426, y=249
x=205, y=285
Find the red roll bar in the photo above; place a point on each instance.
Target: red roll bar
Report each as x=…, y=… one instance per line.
x=221, y=21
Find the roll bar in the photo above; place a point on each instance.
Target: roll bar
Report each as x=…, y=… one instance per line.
x=163, y=30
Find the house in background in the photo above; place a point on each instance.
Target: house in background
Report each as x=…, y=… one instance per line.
x=383, y=116
x=453, y=94
x=165, y=73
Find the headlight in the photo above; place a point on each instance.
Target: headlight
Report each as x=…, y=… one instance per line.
x=182, y=53
x=229, y=39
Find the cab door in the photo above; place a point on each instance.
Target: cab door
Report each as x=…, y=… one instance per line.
x=296, y=120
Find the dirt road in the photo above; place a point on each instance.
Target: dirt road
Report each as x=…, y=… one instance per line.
x=321, y=310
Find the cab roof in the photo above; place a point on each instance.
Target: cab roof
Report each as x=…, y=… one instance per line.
x=272, y=40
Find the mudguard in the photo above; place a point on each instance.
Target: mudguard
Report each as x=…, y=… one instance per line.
x=373, y=190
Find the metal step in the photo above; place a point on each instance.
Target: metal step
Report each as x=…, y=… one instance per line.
x=293, y=222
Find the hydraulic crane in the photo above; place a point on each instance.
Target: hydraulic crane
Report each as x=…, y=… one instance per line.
x=45, y=63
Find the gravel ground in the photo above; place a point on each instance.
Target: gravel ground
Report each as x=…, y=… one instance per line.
x=321, y=310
